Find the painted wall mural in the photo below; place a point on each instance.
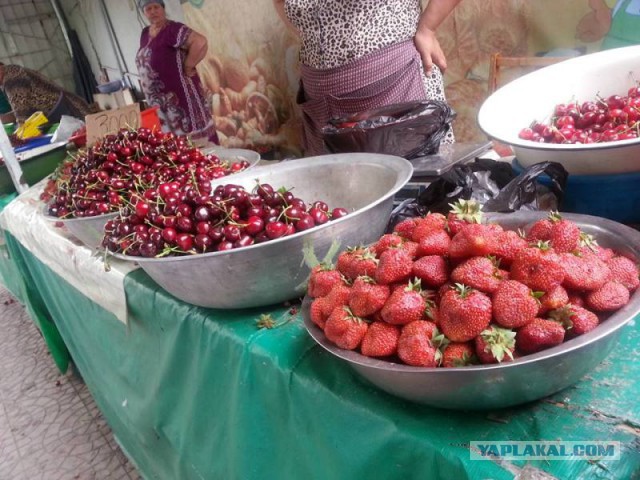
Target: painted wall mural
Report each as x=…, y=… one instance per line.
x=251, y=72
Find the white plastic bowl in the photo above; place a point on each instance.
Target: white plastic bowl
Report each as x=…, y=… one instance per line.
x=534, y=96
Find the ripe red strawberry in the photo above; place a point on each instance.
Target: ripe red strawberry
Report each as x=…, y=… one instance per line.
x=346, y=258
x=473, y=240
x=344, y=329
x=385, y=242
x=432, y=222
x=564, y=235
x=495, y=345
x=553, y=299
x=406, y=227
x=459, y=355
x=363, y=264
x=411, y=248
x=575, y=320
x=381, y=340
x=539, y=335
x=624, y=271
x=316, y=312
x=436, y=242
x=584, y=273
x=589, y=246
x=507, y=246
x=575, y=298
x=609, y=297
x=463, y=212
x=538, y=268
x=540, y=231
x=395, y=265
x=479, y=273
x=514, y=304
x=367, y=297
x=323, y=278
x=423, y=327
x=432, y=270
x=431, y=311
x=464, y=313
x=338, y=297
x=416, y=347
x=405, y=305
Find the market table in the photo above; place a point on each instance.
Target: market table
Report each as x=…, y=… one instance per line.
x=194, y=393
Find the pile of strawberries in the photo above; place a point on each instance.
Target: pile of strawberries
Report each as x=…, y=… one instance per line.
x=451, y=291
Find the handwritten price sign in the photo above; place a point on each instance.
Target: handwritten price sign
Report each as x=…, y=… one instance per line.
x=110, y=121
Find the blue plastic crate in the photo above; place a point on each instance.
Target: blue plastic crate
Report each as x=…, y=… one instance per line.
x=616, y=197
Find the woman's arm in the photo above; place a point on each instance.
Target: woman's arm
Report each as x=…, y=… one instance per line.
x=425, y=38
x=196, y=46
x=279, y=4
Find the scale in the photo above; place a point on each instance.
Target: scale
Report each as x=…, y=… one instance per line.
x=448, y=156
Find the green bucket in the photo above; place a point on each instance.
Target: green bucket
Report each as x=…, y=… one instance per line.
x=34, y=169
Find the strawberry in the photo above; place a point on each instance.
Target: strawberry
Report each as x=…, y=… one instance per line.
x=556, y=298
x=473, y=240
x=538, y=268
x=432, y=312
x=395, y=265
x=539, y=335
x=323, y=278
x=458, y=355
x=463, y=212
x=367, y=297
x=609, y=297
x=423, y=327
x=338, y=297
x=495, y=345
x=540, y=231
x=479, y=273
x=363, y=264
x=565, y=235
x=507, y=246
x=385, y=242
x=432, y=222
x=436, y=242
x=575, y=298
x=624, y=271
x=514, y=304
x=584, y=273
x=346, y=259
x=316, y=312
x=344, y=329
x=464, y=313
x=406, y=227
x=432, y=270
x=416, y=346
x=405, y=305
x=589, y=246
x=381, y=340
x=411, y=248
x=575, y=320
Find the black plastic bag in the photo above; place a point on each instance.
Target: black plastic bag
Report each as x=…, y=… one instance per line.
x=491, y=183
x=409, y=130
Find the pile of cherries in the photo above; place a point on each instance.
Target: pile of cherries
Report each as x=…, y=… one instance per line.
x=190, y=217
x=105, y=177
x=603, y=120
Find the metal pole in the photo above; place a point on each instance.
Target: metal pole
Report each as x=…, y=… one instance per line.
x=11, y=161
x=63, y=24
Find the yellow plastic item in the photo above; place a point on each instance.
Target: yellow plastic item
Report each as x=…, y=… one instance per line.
x=30, y=127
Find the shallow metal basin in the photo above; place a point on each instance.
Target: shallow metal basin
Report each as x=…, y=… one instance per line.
x=276, y=271
x=526, y=379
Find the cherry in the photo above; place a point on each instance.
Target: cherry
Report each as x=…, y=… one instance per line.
x=254, y=225
x=275, y=229
x=184, y=241
x=338, y=213
x=306, y=222
x=319, y=216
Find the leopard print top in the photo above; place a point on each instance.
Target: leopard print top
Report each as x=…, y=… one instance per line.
x=29, y=91
x=334, y=32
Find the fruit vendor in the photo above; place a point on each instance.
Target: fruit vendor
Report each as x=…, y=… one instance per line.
x=29, y=91
x=167, y=59
x=357, y=55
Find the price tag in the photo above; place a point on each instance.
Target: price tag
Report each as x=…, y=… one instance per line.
x=110, y=121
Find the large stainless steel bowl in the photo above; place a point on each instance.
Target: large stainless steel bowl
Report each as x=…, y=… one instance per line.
x=526, y=379
x=534, y=96
x=275, y=271
x=90, y=230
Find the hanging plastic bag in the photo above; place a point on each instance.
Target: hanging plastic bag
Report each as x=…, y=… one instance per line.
x=409, y=130
x=491, y=183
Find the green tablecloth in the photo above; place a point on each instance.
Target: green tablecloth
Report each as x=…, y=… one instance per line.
x=193, y=393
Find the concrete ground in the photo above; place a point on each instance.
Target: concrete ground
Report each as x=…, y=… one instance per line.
x=50, y=427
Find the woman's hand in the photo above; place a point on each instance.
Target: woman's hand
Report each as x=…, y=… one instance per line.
x=430, y=51
x=196, y=47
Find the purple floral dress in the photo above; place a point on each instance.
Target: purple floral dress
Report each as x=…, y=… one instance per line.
x=183, y=108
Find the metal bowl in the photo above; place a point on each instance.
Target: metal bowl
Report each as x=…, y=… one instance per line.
x=534, y=96
x=525, y=379
x=277, y=270
x=90, y=230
